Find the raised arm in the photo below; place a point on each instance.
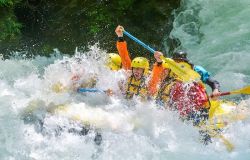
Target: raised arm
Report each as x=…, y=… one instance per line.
x=121, y=45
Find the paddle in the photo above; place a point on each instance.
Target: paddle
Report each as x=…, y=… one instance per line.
x=213, y=133
x=82, y=90
x=58, y=89
x=245, y=90
x=108, y=92
x=185, y=74
x=227, y=143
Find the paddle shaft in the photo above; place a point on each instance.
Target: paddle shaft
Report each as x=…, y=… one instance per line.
x=244, y=90
x=227, y=93
x=222, y=94
x=139, y=42
x=82, y=90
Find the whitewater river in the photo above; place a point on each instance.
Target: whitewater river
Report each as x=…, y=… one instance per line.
x=216, y=35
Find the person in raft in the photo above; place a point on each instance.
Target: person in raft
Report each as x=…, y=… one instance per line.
x=161, y=81
x=139, y=81
x=191, y=99
x=137, y=70
x=181, y=57
x=114, y=62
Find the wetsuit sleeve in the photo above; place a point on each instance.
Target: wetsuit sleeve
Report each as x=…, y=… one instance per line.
x=123, y=52
x=213, y=83
x=155, y=78
x=206, y=78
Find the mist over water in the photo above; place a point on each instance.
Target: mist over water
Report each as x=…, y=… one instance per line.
x=216, y=35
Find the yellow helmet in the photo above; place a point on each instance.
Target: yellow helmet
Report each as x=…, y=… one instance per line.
x=141, y=62
x=114, y=61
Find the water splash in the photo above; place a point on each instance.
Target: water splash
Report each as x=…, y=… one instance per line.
x=136, y=130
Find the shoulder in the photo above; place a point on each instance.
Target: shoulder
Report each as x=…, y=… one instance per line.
x=203, y=72
x=199, y=68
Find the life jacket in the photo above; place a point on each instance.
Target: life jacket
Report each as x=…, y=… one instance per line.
x=164, y=91
x=202, y=72
x=187, y=98
x=135, y=87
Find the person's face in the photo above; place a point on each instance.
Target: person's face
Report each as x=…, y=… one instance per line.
x=165, y=73
x=138, y=73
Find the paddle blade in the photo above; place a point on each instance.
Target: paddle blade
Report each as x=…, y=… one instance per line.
x=214, y=134
x=245, y=90
x=229, y=146
x=184, y=73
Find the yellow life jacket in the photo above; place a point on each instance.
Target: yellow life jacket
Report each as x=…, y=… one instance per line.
x=90, y=83
x=135, y=87
x=182, y=65
x=185, y=65
x=164, y=90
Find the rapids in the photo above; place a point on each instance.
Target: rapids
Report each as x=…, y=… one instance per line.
x=216, y=35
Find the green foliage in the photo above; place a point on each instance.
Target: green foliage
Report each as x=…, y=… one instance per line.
x=66, y=24
x=46, y=49
x=8, y=3
x=9, y=28
x=99, y=18
x=123, y=5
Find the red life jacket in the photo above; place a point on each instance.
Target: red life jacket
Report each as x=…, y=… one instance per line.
x=189, y=97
